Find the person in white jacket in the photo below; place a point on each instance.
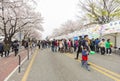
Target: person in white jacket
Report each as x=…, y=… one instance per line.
x=102, y=46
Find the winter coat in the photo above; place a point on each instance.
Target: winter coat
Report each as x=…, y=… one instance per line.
x=108, y=45
x=1, y=47
x=6, y=47
x=84, y=55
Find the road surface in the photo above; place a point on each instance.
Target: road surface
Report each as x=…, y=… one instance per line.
x=45, y=65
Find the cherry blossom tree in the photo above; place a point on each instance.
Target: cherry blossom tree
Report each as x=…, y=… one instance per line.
x=66, y=28
x=16, y=16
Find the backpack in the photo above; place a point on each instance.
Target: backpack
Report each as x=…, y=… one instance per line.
x=15, y=45
x=84, y=43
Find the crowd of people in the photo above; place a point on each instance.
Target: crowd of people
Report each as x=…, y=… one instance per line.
x=83, y=45
x=98, y=45
x=6, y=47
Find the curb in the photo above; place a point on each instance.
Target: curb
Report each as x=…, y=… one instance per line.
x=7, y=78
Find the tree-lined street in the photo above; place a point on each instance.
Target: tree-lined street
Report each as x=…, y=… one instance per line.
x=59, y=40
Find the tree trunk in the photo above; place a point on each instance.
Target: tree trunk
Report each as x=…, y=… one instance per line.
x=9, y=39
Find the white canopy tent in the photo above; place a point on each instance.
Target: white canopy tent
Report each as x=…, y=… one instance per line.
x=112, y=31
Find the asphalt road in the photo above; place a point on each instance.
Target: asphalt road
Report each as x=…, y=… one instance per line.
x=49, y=66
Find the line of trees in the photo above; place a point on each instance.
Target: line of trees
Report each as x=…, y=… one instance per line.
x=18, y=16
x=66, y=28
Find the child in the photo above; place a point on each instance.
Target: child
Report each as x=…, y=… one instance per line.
x=85, y=54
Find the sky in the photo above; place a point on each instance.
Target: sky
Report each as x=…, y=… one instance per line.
x=56, y=12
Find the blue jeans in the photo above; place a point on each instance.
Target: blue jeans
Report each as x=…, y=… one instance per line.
x=52, y=48
x=85, y=63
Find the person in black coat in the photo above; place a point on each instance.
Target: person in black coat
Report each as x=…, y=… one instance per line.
x=1, y=49
x=79, y=47
x=16, y=47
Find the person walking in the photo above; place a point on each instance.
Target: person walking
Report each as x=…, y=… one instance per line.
x=108, y=47
x=66, y=46
x=26, y=44
x=61, y=44
x=1, y=49
x=75, y=47
x=79, y=47
x=86, y=43
x=16, y=47
x=39, y=44
x=6, y=49
x=57, y=45
x=102, y=46
x=92, y=45
x=84, y=60
x=76, y=44
x=97, y=41
x=69, y=45
x=53, y=46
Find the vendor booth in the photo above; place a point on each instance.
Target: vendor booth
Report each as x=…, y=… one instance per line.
x=112, y=31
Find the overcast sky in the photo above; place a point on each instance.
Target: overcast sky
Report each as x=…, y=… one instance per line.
x=56, y=12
